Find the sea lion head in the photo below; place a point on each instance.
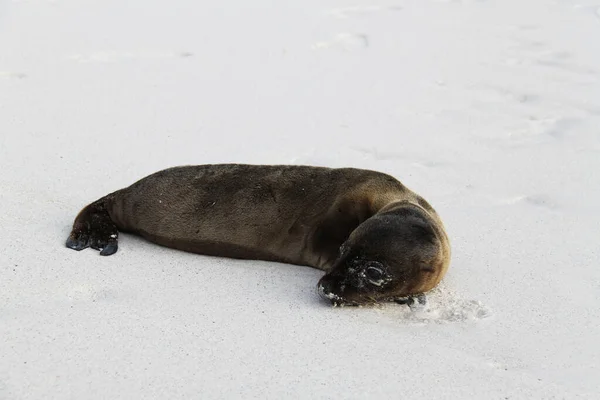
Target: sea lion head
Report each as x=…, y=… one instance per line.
x=393, y=254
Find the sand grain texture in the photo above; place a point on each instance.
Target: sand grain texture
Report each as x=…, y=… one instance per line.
x=489, y=109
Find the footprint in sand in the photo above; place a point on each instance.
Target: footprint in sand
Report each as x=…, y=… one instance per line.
x=347, y=12
x=88, y=293
x=12, y=75
x=114, y=56
x=459, y=1
x=503, y=93
x=587, y=8
x=563, y=60
x=535, y=200
x=542, y=130
x=344, y=41
x=413, y=159
x=348, y=40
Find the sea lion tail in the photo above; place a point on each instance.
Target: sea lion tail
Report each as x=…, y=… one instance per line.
x=94, y=228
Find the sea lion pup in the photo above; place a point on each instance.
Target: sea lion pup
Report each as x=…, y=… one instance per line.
x=375, y=239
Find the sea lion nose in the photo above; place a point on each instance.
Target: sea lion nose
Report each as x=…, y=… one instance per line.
x=325, y=287
x=328, y=288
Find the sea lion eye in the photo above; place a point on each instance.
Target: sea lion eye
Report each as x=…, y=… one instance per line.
x=374, y=271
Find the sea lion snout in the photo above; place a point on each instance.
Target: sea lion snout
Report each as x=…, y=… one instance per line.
x=330, y=287
x=353, y=282
x=333, y=287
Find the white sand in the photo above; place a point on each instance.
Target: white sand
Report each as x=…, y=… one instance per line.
x=489, y=109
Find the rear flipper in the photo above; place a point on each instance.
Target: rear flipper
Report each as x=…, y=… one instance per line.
x=94, y=228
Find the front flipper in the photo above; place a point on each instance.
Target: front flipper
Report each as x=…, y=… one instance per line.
x=415, y=303
x=94, y=228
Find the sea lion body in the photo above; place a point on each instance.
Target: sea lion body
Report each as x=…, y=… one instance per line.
x=343, y=221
